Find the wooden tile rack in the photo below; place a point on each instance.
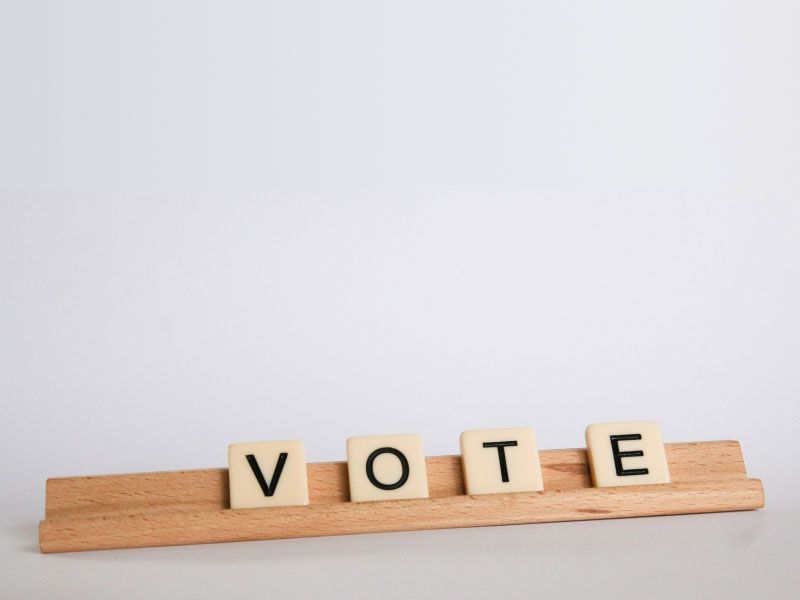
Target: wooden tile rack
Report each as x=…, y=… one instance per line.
x=191, y=507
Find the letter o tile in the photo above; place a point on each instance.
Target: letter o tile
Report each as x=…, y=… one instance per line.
x=386, y=467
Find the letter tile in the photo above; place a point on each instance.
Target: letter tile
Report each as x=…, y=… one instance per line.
x=501, y=460
x=386, y=467
x=267, y=474
x=626, y=454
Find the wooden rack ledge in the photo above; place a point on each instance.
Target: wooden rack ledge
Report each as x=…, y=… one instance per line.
x=191, y=507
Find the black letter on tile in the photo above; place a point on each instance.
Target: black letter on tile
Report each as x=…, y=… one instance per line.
x=371, y=472
x=501, y=454
x=267, y=487
x=618, y=455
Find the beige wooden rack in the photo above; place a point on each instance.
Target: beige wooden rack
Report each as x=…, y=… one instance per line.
x=191, y=507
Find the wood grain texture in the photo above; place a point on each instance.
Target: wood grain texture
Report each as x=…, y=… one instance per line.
x=191, y=507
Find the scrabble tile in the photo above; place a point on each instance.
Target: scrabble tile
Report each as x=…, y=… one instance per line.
x=626, y=454
x=267, y=474
x=386, y=467
x=501, y=460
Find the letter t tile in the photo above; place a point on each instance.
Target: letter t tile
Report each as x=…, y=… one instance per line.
x=501, y=460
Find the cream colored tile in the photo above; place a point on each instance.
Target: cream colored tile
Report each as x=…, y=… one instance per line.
x=501, y=460
x=267, y=474
x=386, y=467
x=626, y=454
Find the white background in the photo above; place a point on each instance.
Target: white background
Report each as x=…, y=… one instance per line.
x=237, y=221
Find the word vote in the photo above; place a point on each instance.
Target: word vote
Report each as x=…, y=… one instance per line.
x=392, y=467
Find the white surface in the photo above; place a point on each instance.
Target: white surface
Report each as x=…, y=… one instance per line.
x=246, y=221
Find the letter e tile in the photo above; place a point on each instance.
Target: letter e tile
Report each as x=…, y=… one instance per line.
x=626, y=454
